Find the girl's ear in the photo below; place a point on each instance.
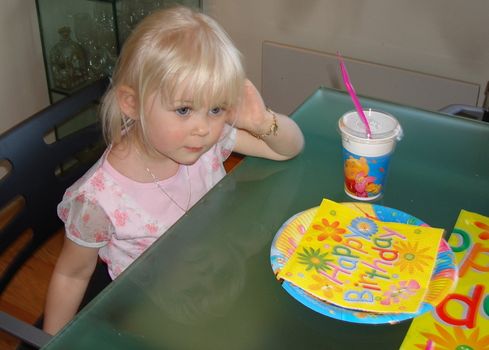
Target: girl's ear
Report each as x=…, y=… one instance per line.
x=128, y=101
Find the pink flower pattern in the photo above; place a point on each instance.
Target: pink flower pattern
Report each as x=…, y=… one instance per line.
x=404, y=290
x=63, y=214
x=120, y=217
x=151, y=228
x=225, y=153
x=100, y=236
x=74, y=231
x=98, y=181
x=216, y=164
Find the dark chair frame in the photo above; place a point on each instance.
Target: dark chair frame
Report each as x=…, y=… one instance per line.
x=38, y=176
x=469, y=111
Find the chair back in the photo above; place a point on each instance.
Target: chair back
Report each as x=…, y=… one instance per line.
x=39, y=159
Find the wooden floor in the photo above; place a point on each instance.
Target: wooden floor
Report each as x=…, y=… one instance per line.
x=24, y=297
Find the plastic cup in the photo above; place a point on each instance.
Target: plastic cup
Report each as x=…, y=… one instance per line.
x=366, y=161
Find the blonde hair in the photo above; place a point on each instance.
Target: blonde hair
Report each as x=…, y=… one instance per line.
x=171, y=50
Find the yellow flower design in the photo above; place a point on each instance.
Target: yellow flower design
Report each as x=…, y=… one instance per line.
x=325, y=286
x=329, y=230
x=459, y=340
x=411, y=257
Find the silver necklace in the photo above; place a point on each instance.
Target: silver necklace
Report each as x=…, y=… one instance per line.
x=157, y=181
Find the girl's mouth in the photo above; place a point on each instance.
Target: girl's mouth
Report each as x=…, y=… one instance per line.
x=194, y=149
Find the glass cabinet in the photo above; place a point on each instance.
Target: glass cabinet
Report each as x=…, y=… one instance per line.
x=82, y=38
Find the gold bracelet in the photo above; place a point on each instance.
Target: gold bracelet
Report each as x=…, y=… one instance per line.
x=273, y=128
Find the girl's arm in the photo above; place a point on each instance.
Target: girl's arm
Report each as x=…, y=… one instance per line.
x=254, y=119
x=69, y=281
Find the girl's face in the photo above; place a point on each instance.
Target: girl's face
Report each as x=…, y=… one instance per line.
x=180, y=132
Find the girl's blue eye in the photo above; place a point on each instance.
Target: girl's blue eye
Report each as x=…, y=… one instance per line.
x=216, y=111
x=183, y=111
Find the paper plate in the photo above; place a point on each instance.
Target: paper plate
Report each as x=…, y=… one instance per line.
x=285, y=242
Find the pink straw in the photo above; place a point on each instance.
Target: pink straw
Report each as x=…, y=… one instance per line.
x=353, y=95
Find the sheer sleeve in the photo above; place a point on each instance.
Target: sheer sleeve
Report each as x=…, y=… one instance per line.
x=86, y=222
x=226, y=144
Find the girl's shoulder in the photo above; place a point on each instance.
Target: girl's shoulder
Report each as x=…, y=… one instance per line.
x=93, y=181
x=228, y=137
x=212, y=162
x=223, y=148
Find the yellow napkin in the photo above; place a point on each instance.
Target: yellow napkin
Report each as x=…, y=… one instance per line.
x=461, y=320
x=350, y=260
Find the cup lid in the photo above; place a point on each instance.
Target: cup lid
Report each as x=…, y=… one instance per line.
x=382, y=125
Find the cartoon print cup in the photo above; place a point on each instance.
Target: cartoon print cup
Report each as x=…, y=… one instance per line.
x=366, y=161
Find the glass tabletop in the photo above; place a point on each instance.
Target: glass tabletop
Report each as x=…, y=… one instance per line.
x=208, y=284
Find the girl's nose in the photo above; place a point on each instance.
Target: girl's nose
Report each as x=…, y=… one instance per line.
x=201, y=125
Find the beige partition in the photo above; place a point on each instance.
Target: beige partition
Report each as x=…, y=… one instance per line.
x=290, y=74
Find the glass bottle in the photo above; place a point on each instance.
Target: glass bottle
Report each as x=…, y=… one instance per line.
x=68, y=62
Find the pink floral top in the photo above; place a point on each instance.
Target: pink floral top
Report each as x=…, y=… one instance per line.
x=121, y=217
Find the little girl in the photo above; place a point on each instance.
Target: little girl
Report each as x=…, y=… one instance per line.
x=178, y=105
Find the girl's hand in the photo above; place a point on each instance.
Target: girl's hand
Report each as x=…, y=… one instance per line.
x=262, y=133
x=251, y=113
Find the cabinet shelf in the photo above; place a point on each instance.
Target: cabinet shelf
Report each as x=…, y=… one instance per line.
x=81, y=39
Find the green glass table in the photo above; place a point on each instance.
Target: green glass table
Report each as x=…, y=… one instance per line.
x=208, y=282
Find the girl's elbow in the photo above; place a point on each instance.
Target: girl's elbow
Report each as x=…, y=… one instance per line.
x=294, y=152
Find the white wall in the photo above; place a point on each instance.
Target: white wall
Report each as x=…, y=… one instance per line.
x=449, y=38
x=23, y=87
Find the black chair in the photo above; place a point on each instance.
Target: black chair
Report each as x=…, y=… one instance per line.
x=469, y=111
x=37, y=164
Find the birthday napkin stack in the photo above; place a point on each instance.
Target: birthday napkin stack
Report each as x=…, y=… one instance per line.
x=461, y=320
x=357, y=262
